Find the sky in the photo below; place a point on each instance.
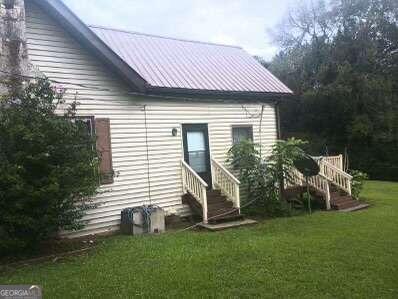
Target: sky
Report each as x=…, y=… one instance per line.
x=245, y=23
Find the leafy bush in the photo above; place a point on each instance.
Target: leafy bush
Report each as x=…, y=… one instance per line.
x=48, y=167
x=264, y=178
x=358, y=177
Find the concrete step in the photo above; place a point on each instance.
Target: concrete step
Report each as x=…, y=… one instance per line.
x=345, y=205
x=356, y=208
x=227, y=225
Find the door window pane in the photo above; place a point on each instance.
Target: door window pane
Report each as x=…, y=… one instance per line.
x=197, y=160
x=197, y=151
x=241, y=133
x=196, y=141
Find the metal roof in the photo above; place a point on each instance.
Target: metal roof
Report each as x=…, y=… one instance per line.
x=171, y=63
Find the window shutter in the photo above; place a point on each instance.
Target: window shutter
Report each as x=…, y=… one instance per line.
x=103, y=132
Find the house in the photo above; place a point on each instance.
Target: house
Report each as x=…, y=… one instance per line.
x=165, y=110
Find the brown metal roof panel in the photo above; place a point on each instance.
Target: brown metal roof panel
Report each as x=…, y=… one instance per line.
x=173, y=63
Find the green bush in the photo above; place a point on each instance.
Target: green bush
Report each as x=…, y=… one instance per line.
x=264, y=178
x=358, y=178
x=48, y=168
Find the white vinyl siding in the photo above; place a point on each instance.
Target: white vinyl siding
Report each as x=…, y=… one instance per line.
x=102, y=94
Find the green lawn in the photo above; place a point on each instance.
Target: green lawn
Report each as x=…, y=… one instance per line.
x=327, y=255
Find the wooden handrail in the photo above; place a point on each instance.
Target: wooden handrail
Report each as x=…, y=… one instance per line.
x=335, y=175
x=329, y=173
x=195, y=185
x=319, y=182
x=185, y=164
x=336, y=161
x=227, y=182
x=231, y=176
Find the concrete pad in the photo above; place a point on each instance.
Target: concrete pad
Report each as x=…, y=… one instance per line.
x=356, y=208
x=226, y=225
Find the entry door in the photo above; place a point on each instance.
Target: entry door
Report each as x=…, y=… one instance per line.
x=196, y=149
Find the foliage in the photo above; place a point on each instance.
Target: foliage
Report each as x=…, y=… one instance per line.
x=339, y=255
x=358, y=179
x=264, y=178
x=282, y=158
x=341, y=61
x=48, y=167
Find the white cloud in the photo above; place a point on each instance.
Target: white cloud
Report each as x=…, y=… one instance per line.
x=237, y=22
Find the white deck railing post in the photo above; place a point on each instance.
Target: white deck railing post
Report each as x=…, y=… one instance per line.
x=327, y=196
x=204, y=204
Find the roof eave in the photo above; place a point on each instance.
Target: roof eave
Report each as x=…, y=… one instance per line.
x=83, y=33
x=230, y=95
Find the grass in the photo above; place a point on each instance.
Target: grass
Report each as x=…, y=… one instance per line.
x=326, y=255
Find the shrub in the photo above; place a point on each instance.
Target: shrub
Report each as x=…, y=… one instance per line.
x=264, y=178
x=358, y=177
x=48, y=167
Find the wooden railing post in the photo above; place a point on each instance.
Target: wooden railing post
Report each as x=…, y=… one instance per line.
x=196, y=186
x=184, y=190
x=341, y=161
x=327, y=196
x=204, y=204
x=237, y=197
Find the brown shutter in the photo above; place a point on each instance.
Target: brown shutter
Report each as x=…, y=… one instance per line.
x=103, y=132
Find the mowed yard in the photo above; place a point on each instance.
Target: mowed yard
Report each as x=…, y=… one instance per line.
x=326, y=255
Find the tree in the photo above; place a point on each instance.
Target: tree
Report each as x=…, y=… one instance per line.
x=341, y=60
x=48, y=167
x=264, y=179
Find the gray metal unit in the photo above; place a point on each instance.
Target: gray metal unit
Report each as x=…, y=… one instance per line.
x=134, y=222
x=157, y=221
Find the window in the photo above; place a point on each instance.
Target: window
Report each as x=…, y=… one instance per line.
x=88, y=123
x=242, y=133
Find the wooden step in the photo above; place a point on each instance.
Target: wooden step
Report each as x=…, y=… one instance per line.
x=226, y=218
x=222, y=212
x=219, y=209
x=218, y=205
x=214, y=199
x=211, y=193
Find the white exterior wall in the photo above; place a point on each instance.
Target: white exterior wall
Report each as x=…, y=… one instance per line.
x=55, y=53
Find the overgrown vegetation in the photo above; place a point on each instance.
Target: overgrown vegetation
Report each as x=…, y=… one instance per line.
x=326, y=255
x=358, y=179
x=48, y=167
x=341, y=60
x=264, y=178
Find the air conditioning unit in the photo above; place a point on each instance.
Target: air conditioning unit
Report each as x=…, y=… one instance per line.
x=142, y=220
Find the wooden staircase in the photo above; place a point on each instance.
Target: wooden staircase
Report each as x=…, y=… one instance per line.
x=342, y=201
x=333, y=184
x=219, y=208
x=218, y=204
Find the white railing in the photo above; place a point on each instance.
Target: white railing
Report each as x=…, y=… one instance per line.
x=335, y=175
x=195, y=185
x=319, y=182
x=228, y=184
x=336, y=161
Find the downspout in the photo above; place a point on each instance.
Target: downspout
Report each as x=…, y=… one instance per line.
x=279, y=137
x=278, y=121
